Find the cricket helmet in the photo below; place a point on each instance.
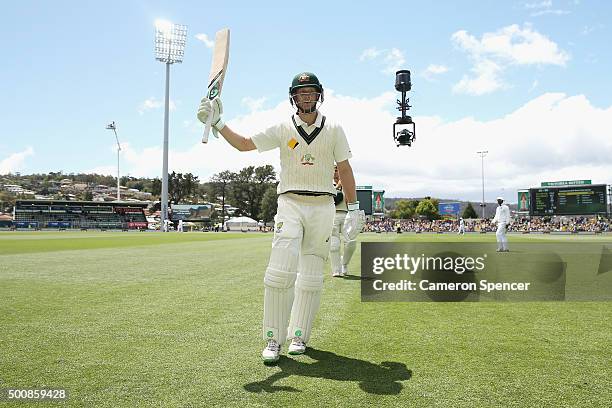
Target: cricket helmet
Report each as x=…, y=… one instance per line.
x=303, y=80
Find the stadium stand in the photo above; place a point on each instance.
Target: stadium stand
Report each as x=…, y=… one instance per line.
x=79, y=215
x=6, y=221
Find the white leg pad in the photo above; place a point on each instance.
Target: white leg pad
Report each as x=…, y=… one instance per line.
x=349, y=250
x=335, y=242
x=279, y=284
x=307, y=296
x=334, y=251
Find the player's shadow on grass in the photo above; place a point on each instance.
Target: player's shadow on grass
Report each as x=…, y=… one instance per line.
x=383, y=379
x=357, y=277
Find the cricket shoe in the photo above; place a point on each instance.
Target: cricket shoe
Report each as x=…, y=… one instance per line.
x=271, y=352
x=344, y=270
x=336, y=273
x=297, y=346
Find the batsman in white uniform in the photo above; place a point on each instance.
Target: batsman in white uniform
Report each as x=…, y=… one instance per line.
x=341, y=250
x=502, y=218
x=309, y=147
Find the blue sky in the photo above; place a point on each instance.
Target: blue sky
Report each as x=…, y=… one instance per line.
x=526, y=80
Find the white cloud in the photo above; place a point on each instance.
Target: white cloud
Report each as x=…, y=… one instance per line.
x=368, y=54
x=494, y=51
x=591, y=58
x=154, y=103
x=254, y=104
x=589, y=29
x=394, y=60
x=539, y=5
x=514, y=45
x=552, y=137
x=193, y=127
x=544, y=7
x=14, y=162
x=391, y=60
x=557, y=12
x=204, y=38
x=486, y=79
x=433, y=70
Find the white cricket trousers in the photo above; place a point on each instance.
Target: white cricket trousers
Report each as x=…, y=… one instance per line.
x=294, y=278
x=502, y=241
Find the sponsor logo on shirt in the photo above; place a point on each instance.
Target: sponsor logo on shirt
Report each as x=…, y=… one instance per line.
x=293, y=143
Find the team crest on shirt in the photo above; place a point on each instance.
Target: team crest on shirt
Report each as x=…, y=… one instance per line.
x=307, y=159
x=279, y=227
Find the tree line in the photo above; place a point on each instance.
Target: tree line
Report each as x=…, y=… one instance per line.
x=251, y=190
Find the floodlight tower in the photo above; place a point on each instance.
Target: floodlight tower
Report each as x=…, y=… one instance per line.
x=113, y=127
x=482, y=156
x=169, y=48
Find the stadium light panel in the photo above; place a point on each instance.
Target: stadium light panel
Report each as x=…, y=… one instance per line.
x=170, y=41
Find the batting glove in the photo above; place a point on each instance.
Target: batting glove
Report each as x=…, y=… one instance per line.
x=354, y=222
x=214, y=108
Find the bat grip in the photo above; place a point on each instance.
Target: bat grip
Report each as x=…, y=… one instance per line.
x=207, y=128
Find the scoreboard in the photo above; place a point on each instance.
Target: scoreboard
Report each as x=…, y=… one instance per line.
x=576, y=200
x=372, y=202
x=364, y=196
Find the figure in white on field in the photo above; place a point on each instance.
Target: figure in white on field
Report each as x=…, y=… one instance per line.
x=340, y=250
x=461, y=226
x=309, y=146
x=180, y=226
x=502, y=218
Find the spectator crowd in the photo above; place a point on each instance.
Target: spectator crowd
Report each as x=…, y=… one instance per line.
x=522, y=224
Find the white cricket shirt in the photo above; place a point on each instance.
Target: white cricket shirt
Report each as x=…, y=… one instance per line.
x=307, y=153
x=502, y=214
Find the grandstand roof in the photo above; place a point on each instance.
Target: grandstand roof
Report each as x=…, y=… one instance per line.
x=92, y=203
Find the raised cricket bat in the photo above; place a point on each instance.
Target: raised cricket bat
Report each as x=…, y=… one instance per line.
x=217, y=72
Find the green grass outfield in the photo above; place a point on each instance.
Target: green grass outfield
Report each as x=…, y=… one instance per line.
x=173, y=320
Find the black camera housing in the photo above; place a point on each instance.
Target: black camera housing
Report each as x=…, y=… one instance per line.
x=404, y=129
x=402, y=81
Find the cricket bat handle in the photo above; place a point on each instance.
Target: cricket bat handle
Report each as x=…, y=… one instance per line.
x=207, y=129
